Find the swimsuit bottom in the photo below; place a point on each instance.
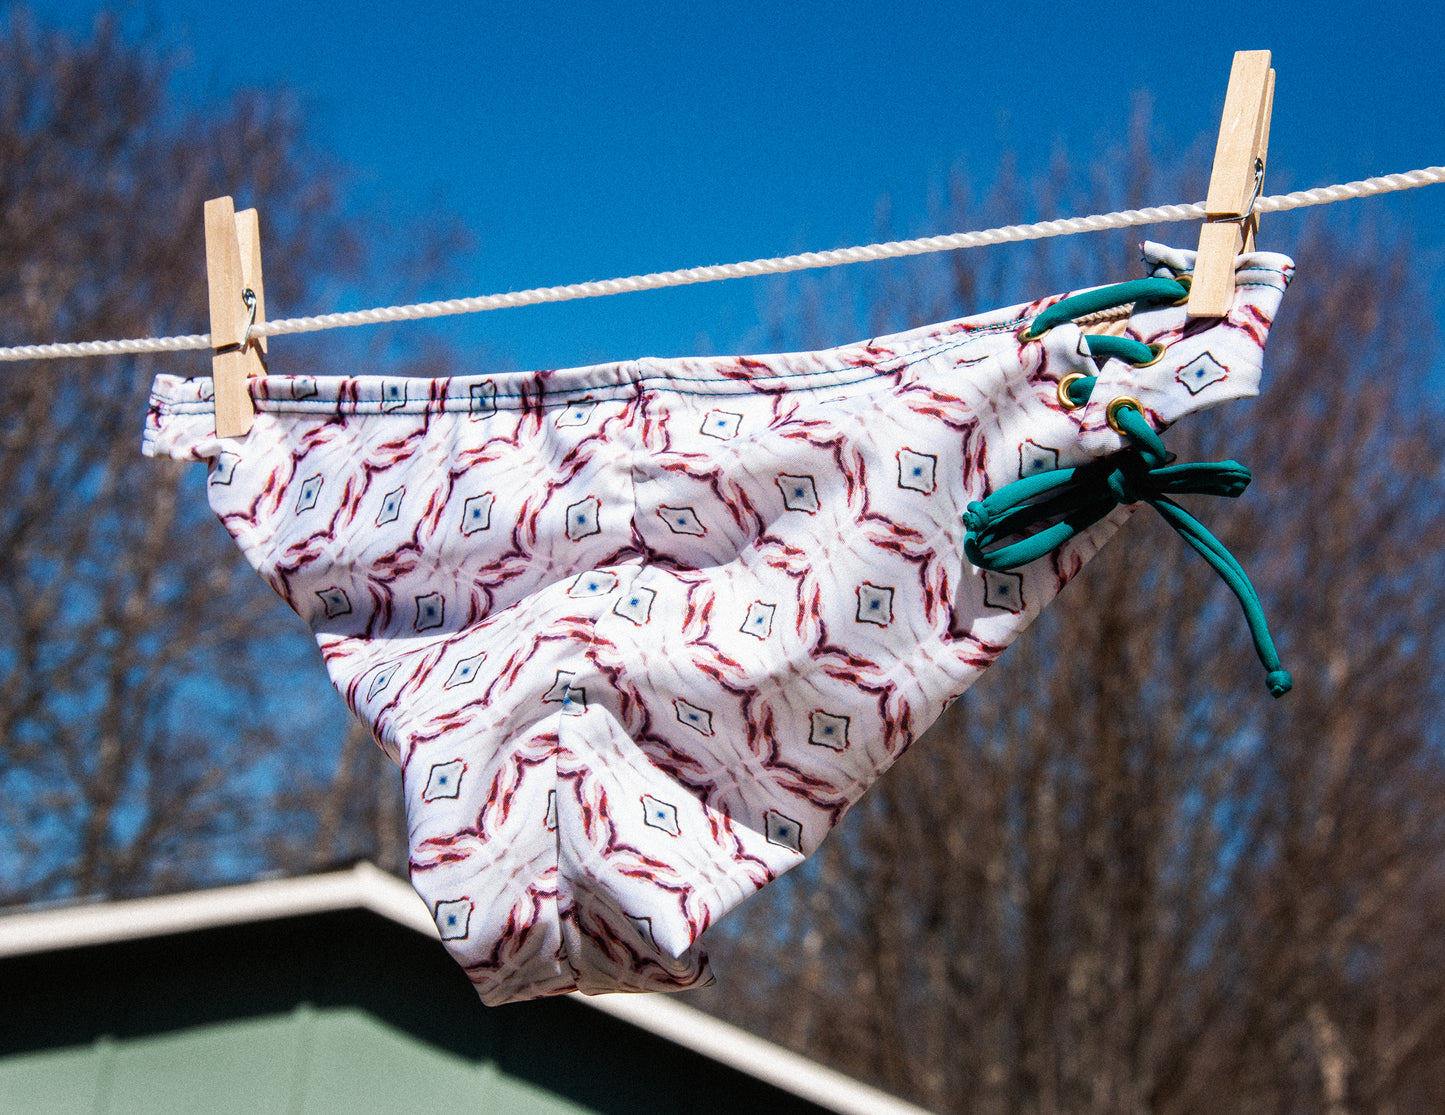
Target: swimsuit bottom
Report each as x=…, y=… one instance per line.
x=639, y=634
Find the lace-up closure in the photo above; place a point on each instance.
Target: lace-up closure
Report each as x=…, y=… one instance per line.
x=1070, y=500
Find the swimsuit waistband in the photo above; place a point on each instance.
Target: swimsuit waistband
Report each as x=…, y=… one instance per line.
x=485, y=393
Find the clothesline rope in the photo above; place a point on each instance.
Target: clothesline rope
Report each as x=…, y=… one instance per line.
x=893, y=250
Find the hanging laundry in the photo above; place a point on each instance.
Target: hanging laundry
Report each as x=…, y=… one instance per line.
x=639, y=634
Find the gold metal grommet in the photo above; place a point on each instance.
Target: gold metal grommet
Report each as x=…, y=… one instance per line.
x=1065, y=399
x=1025, y=336
x=1186, y=281
x=1112, y=414
x=1158, y=348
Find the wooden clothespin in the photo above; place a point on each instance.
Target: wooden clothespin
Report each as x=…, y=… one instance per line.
x=238, y=301
x=1234, y=184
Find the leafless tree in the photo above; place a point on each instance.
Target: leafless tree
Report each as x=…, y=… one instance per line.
x=1117, y=877
x=155, y=701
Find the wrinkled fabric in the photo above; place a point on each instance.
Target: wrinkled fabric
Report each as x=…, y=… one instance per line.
x=639, y=634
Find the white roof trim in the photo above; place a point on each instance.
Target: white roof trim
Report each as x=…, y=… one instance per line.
x=758, y=1057
x=102, y=923
x=367, y=887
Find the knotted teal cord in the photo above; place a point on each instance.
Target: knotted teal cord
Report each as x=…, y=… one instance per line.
x=1071, y=500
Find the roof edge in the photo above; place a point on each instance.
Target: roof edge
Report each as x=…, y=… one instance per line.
x=366, y=886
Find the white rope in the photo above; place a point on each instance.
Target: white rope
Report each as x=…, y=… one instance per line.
x=893, y=250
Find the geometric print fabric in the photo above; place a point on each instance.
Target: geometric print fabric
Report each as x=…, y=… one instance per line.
x=639, y=634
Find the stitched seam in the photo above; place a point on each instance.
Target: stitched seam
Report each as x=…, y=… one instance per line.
x=724, y=387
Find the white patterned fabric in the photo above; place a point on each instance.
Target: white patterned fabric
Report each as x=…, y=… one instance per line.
x=639, y=634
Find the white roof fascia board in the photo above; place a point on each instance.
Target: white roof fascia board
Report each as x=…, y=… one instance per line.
x=102, y=923
x=748, y=1053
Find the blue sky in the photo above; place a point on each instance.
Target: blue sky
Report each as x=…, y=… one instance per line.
x=586, y=141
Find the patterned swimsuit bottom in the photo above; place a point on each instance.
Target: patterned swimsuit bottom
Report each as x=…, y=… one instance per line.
x=639, y=634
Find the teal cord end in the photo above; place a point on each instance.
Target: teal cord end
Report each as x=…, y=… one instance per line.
x=1279, y=682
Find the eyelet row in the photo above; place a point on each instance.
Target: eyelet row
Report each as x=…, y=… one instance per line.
x=1157, y=348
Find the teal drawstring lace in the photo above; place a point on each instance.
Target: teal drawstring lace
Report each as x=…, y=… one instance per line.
x=1071, y=500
